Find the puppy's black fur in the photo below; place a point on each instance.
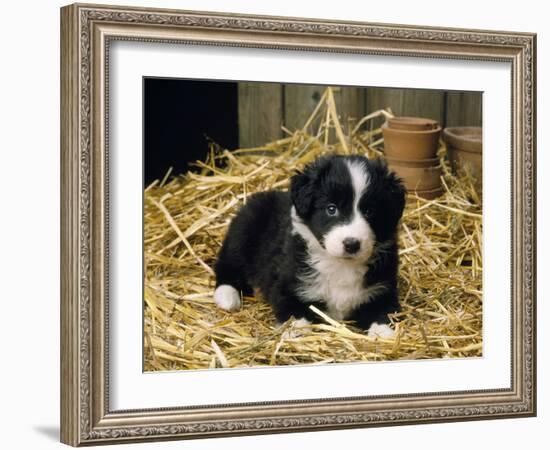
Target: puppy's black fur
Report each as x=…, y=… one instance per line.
x=263, y=249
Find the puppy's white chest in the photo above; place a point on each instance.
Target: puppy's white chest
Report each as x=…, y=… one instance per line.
x=337, y=283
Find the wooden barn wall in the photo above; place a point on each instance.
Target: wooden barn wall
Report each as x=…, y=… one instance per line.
x=265, y=107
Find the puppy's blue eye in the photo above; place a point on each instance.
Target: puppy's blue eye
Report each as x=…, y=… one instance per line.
x=332, y=210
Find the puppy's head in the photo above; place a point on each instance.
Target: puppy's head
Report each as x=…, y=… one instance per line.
x=345, y=204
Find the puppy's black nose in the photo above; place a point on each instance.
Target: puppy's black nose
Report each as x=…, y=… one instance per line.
x=351, y=245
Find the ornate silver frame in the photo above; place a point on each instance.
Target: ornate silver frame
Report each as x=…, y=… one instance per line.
x=86, y=31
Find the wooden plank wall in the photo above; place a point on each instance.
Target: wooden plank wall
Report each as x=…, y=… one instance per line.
x=261, y=113
x=265, y=107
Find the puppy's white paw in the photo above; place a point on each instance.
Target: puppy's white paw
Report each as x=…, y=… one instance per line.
x=381, y=330
x=227, y=297
x=295, y=327
x=301, y=323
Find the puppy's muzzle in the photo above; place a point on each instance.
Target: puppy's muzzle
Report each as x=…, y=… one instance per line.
x=351, y=245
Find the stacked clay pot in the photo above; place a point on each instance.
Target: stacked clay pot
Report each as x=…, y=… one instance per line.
x=410, y=146
x=464, y=146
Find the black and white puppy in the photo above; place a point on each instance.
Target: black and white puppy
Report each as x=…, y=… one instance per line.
x=330, y=242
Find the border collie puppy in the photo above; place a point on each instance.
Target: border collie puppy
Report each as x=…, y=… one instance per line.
x=330, y=242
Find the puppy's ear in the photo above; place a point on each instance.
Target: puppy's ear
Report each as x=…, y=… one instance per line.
x=303, y=185
x=394, y=191
x=301, y=192
x=396, y=195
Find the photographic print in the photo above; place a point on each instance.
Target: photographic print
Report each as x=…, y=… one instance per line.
x=290, y=224
x=271, y=204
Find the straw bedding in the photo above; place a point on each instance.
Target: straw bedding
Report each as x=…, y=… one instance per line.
x=185, y=219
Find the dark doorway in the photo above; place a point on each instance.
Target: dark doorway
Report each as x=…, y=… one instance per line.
x=180, y=116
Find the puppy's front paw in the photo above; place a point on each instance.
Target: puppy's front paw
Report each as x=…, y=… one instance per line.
x=295, y=329
x=227, y=297
x=381, y=330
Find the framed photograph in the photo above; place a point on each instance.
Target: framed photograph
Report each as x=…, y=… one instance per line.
x=276, y=224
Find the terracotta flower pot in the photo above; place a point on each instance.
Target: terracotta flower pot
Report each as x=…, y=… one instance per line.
x=409, y=144
x=412, y=123
x=424, y=175
x=464, y=146
x=430, y=162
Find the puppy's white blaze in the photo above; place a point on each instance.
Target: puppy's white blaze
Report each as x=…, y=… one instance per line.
x=359, y=180
x=381, y=330
x=358, y=228
x=227, y=297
